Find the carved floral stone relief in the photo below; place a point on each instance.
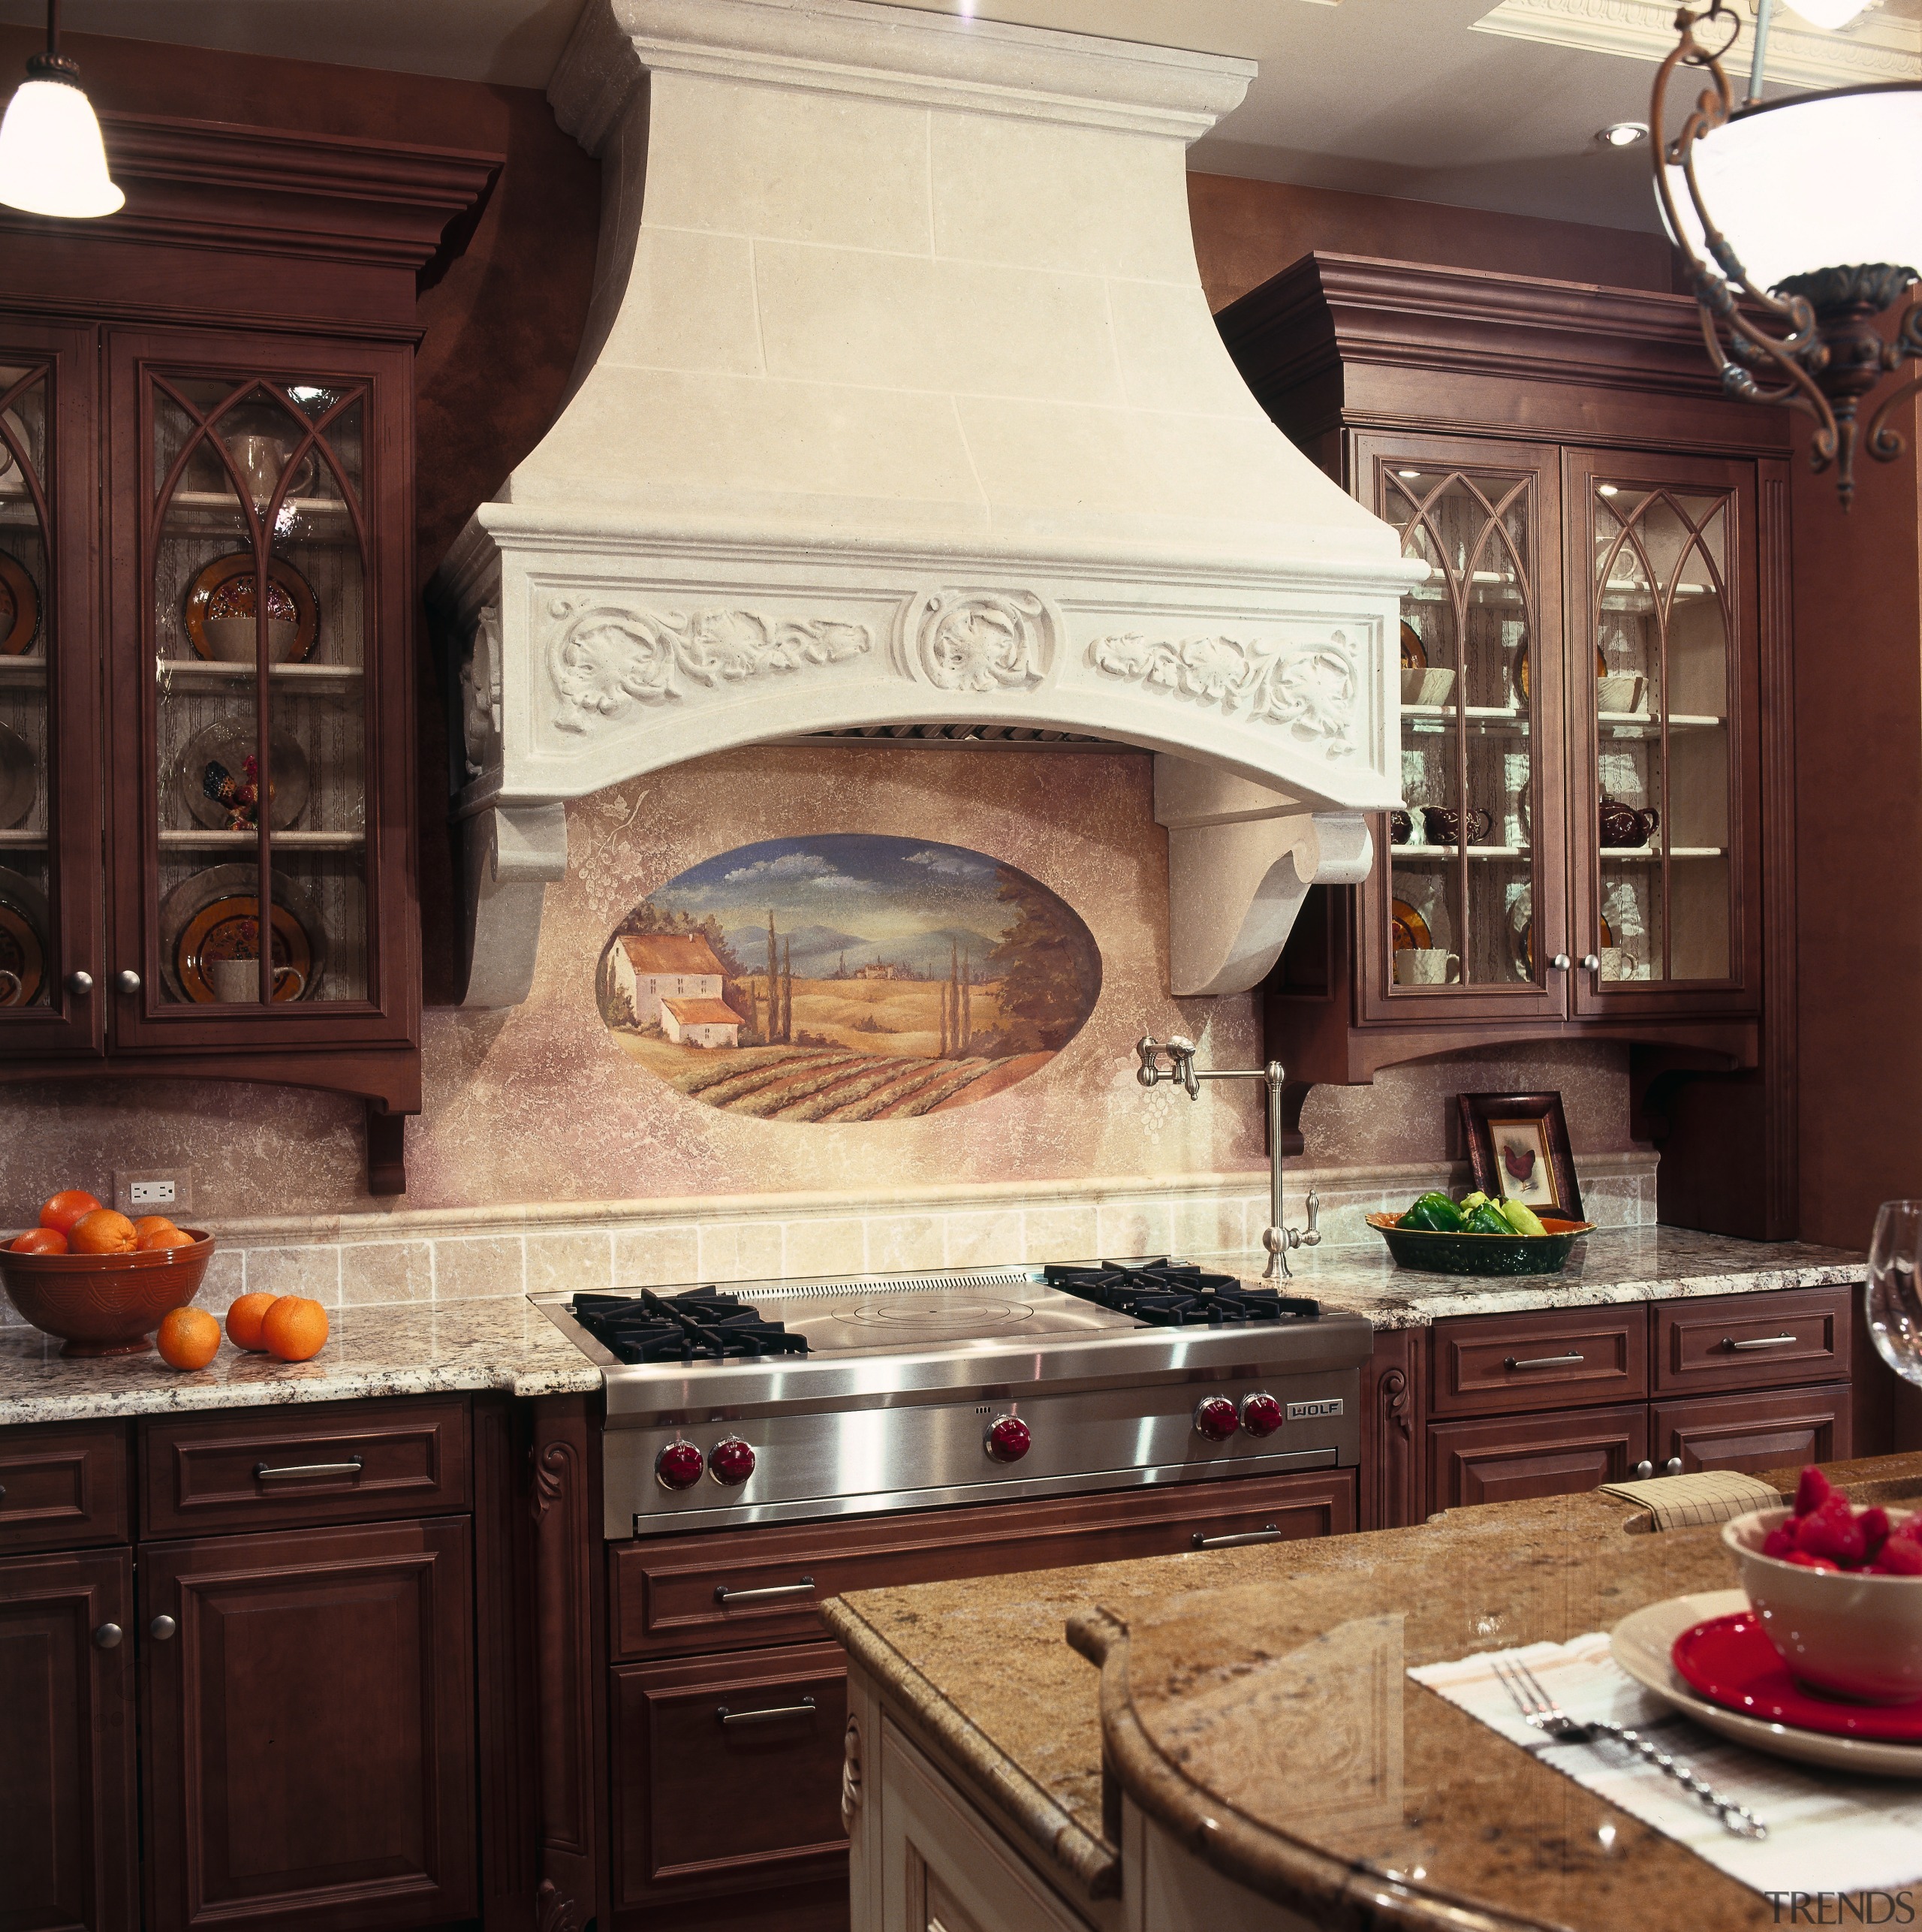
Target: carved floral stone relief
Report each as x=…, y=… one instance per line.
x=978, y=641
x=1309, y=690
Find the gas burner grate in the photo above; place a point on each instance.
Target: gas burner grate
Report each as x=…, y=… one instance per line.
x=1176, y=1294
x=705, y=1324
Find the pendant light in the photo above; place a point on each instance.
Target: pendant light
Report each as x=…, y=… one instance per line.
x=1802, y=221
x=51, y=161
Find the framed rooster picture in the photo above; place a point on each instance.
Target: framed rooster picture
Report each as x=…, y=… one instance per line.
x=1518, y=1148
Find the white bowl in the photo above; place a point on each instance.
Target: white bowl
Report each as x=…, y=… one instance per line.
x=232, y=639
x=1621, y=692
x=1428, y=684
x=1857, y=1635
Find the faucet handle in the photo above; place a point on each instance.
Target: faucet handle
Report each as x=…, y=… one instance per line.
x=1311, y=1235
x=1181, y=1052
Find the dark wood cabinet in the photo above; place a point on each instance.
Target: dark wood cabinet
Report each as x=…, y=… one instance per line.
x=1486, y=1364
x=63, y=1486
x=1743, y=1341
x=1781, y=1428
x=1596, y=841
x=308, y=1726
x=206, y=600
x=67, y=1840
x=1510, y=1458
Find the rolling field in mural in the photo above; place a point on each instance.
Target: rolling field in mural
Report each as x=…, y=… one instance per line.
x=848, y=977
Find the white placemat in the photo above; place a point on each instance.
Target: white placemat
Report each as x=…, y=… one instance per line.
x=1826, y=1832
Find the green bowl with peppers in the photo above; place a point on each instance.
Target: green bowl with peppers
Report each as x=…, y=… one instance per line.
x=1433, y=1252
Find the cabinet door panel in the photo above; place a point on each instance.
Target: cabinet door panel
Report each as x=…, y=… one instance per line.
x=63, y=1486
x=1783, y=1429
x=1751, y=1341
x=1517, y=1457
x=50, y=908
x=66, y=1835
x=310, y=1733
x=727, y=1773
x=1485, y=1363
x=1465, y=919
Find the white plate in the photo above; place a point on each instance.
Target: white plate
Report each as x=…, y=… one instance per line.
x=1641, y=1645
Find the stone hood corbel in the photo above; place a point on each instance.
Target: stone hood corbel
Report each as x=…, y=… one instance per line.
x=900, y=402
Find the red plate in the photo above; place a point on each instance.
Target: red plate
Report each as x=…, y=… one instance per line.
x=1731, y=1661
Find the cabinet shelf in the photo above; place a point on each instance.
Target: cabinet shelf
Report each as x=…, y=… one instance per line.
x=1439, y=854
x=1508, y=720
x=16, y=841
x=197, y=512
x=207, y=839
x=16, y=673
x=210, y=674
x=1652, y=855
x=1641, y=724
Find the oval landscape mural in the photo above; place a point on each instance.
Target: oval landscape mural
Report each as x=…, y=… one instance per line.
x=848, y=977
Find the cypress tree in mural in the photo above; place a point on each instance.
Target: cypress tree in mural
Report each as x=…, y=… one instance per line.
x=788, y=990
x=1050, y=970
x=967, y=999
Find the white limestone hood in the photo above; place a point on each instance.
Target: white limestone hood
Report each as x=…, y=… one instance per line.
x=900, y=402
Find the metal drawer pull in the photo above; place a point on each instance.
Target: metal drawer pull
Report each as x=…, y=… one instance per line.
x=267, y=1471
x=1543, y=1361
x=803, y=1709
x=106, y=1636
x=1268, y=1533
x=1763, y=1342
x=162, y=1628
x=1644, y=1470
x=773, y=1594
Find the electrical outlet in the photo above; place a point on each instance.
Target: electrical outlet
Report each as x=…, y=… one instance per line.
x=138, y=1191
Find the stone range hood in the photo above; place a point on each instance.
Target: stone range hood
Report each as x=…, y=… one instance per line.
x=900, y=402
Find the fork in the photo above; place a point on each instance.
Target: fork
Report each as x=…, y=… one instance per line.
x=1538, y=1709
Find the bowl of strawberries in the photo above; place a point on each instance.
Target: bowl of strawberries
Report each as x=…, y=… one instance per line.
x=1837, y=1590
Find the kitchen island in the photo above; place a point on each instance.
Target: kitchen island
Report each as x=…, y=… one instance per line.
x=1253, y=1728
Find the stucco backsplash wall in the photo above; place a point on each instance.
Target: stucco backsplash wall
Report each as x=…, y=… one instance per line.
x=541, y=1104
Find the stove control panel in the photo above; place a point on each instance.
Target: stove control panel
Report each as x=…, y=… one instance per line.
x=1008, y=1439
x=1215, y=1419
x=678, y=1465
x=731, y=1462
x=1260, y=1415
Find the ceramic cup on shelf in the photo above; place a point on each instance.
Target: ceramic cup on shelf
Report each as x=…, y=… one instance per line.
x=1443, y=823
x=1401, y=828
x=261, y=459
x=237, y=982
x=1622, y=826
x=1618, y=963
x=1426, y=965
x=232, y=639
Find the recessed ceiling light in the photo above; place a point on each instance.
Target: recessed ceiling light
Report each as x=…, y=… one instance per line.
x=1622, y=134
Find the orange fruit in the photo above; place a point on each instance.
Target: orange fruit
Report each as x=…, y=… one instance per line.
x=102, y=1232
x=169, y=1236
x=148, y=1224
x=64, y=1209
x=39, y=1241
x=189, y=1338
x=294, y=1328
x=244, y=1318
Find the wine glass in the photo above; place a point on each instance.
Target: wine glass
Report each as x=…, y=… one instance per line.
x=1895, y=1287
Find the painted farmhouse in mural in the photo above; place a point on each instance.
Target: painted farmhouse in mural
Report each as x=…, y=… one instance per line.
x=653, y=968
x=700, y=1022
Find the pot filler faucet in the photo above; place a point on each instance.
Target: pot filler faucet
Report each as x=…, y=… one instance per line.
x=1182, y=1071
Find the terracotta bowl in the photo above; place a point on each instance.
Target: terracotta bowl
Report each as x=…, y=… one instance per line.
x=1856, y=1635
x=105, y=1304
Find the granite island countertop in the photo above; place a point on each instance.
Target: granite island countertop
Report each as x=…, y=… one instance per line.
x=1344, y=1787
x=405, y=1349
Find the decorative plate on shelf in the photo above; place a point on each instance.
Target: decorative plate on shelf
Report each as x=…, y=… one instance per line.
x=19, y=607
x=1523, y=936
x=23, y=927
x=226, y=588
x=216, y=915
x=1520, y=674
x=215, y=779
x=19, y=776
x=1415, y=652
x=1406, y=926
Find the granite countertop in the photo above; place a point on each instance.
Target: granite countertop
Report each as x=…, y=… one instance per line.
x=1275, y=1730
x=1613, y=1265
x=426, y=1349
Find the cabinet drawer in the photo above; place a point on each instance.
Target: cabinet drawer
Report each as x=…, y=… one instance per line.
x=1512, y=1458
x=1781, y=1429
x=1752, y=1341
x=63, y=1486
x=727, y=1773
x=270, y=1469
x=761, y=1586
x=1486, y=1363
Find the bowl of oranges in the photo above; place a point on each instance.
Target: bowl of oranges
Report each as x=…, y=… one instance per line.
x=99, y=1281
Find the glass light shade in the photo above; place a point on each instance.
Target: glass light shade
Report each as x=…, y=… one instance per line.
x=1828, y=13
x=51, y=161
x=1822, y=180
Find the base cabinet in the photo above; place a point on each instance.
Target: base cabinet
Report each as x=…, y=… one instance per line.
x=1775, y=1431
x=67, y=1831
x=1516, y=1458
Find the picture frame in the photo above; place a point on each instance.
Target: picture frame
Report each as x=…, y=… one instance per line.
x=1518, y=1150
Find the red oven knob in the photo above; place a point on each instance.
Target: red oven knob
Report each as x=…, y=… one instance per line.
x=1260, y=1415
x=1008, y=1439
x=678, y=1465
x=730, y=1460
x=1215, y=1418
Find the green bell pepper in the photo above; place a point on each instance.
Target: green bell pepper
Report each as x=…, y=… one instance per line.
x=1436, y=1214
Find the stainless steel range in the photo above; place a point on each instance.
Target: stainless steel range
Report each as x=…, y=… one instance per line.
x=777, y=1401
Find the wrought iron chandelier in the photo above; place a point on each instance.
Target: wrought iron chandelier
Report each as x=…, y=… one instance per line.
x=1815, y=232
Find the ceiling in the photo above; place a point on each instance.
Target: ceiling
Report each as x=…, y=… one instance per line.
x=1393, y=97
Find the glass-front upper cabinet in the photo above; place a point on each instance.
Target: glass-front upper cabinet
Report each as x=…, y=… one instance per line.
x=49, y=769
x=1468, y=908
x=254, y=576
x=1663, y=564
